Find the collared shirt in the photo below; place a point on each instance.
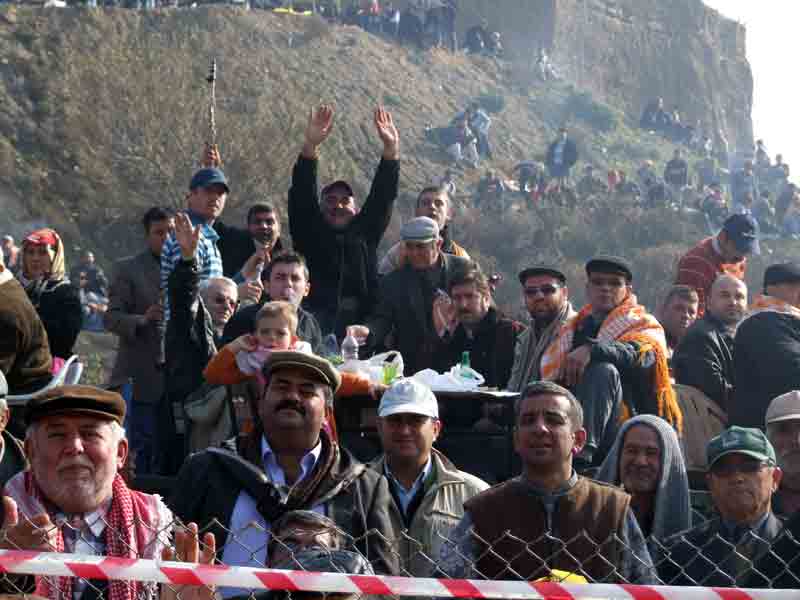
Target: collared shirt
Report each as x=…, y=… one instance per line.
x=247, y=541
x=406, y=496
x=735, y=532
x=209, y=260
x=84, y=534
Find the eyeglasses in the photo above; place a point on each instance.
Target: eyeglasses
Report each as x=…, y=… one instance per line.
x=729, y=469
x=225, y=300
x=545, y=290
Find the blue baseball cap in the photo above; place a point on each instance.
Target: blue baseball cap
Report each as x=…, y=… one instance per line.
x=742, y=230
x=207, y=177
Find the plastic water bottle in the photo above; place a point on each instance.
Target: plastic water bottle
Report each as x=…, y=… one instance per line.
x=349, y=348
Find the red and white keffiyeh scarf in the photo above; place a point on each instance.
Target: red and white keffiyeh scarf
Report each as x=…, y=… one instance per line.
x=764, y=303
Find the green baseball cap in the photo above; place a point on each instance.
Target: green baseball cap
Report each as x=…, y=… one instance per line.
x=740, y=440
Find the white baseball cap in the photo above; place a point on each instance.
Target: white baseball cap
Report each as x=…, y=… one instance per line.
x=409, y=396
x=784, y=407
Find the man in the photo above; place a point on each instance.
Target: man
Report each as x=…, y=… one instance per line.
x=614, y=354
x=766, y=351
x=24, y=350
x=97, y=278
x=590, y=183
x=741, y=477
x=262, y=237
x=704, y=358
x=743, y=182
x=286, y=278
x=134, y=314
x=12, y=454
x=676, y=172
x=338, y=238
x=562, y=155
x=678, y=312
x=478, y=328
x=200, y=311
x=287, y=462
x=546, y=297
x=717, y=255
x=435, y=203
x=596, y=531
x=73, y=499
x=412, y=300
x=646, y=460
x=10, y=252
x=783, y=432
x=480, y=122
x=428, y=490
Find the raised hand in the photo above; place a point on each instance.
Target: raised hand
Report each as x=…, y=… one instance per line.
x=211, y=156
x=187, y=236
x=384, y=124
x=187, y=549
x=36, y=533
x=320, y=125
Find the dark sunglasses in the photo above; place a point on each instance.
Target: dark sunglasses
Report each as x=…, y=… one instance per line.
x=545, y=290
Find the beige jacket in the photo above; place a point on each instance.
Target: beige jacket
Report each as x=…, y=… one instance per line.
x=446, y=490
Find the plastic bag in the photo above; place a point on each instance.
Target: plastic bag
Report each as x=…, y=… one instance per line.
x=457, y=379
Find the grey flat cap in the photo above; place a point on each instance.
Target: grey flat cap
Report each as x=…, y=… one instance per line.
x=421, y=229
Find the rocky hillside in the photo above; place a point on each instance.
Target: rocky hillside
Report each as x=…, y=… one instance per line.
x=103, y=114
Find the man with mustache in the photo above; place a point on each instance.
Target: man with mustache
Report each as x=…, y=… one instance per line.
x=742, y=477
x=704, y=358
x=783, y=431
x=646, y=460
x=287, y=462
x=244, y=249
x=613, y=353
x=338, y=237
x=478, y=328
x=72, y=497
x=678, y=312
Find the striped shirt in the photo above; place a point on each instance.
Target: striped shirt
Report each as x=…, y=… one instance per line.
x=209, y=260
x=701, y=265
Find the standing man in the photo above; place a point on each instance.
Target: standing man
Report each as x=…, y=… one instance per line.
x=479, y=329
x=767, y=347
x=676, y=174
x=338, y=237
x=237, y=246
x=704, y=359
x=546, y=296
x=595, y=528
x=783, y=431
x=133, y=315
x=561, y=157
x=717, y=255
x=613, y=353
x=428, y=490
x=678, y=312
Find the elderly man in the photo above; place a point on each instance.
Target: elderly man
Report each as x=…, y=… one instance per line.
x=546, y=296
x=767, y=347
x=24, y=350
x=678, y=312
x=338, y=238
x=646, y=460
x=73, y=499
x=412, y=299
x=428, y=490
x=704, y=358
x=742, y=477
x=259, y=242
x=614, y=355
x=12, y=454
x=478, y=328
x=714, y=256
x=601, y=539
x=434, y=203
x=134, y=313
x=288, y=462
x=783, y=431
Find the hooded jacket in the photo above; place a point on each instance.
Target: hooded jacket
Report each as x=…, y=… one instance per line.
x=672, y=503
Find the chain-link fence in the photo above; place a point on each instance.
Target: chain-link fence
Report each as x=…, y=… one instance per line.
x=710, y=555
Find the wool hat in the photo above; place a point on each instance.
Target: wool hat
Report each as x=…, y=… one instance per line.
x=76, y=399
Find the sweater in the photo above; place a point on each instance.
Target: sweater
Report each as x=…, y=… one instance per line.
x=701, y=265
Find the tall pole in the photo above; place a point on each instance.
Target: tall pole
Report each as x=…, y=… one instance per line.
x=212, y=103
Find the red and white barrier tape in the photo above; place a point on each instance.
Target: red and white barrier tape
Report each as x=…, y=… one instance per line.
x=130, y=569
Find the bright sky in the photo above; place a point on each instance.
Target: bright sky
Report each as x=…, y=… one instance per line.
x=773, y=43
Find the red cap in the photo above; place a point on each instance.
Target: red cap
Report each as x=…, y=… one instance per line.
x=41, y=237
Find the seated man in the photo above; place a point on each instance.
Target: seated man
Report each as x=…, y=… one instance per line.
x=614, y=355
x=287, y=462
x=646, y=460
x=73, y=499
x=548, y=500
x=479, y=329
x=704, y=358
x=428, y=490
x=783, y=432
x=742, y=476
x=408, y=296
x=677, y=313
x=24, y=350
x=434, y=203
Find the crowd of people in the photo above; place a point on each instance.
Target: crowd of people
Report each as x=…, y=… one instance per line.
x=221, y=330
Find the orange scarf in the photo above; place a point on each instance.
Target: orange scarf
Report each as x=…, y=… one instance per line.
x=628, y=322
x=766, y=303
